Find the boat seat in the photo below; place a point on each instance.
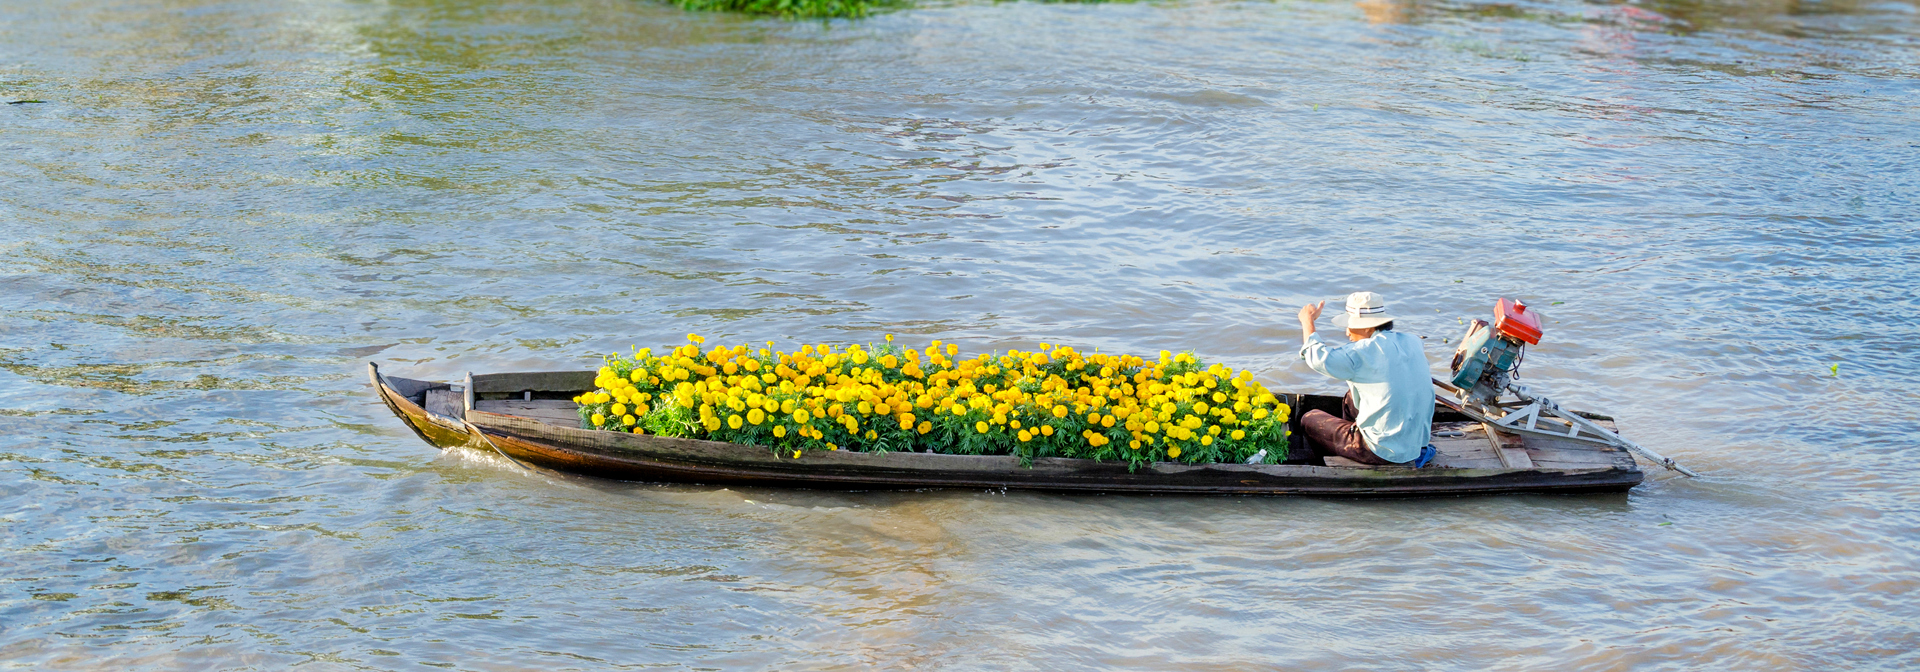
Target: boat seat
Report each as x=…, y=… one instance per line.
x=562, y=412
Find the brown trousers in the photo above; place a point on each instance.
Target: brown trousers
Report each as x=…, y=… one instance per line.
x=1329, y=435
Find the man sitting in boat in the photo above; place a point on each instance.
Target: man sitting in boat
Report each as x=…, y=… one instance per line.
x=1387, y=415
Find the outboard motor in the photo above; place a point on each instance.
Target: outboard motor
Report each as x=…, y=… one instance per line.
x=1489, y=355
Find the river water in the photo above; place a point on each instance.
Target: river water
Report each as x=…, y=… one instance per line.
x=222, y=210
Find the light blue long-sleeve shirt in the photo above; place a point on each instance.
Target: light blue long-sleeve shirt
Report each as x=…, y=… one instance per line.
x=1392, y=389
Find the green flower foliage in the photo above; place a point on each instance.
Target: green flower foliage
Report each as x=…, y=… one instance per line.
x=792, y=9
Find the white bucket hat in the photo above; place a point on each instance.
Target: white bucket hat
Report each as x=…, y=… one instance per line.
x=1365, y=310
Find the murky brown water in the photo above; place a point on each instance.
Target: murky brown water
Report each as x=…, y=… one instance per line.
x=223, y=210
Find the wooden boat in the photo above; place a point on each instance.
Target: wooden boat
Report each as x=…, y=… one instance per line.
x=530, y=418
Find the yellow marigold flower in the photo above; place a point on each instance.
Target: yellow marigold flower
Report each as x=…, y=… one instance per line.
x=1173, y=452
x=1153, y=426
x=1239, y=434
x=1206, y=440
x=696, y=338
x=1014, y=424
x=619, y=409
x=1259, y=414
x=1046, y=430
x=980, y=426
x=953, y=350
x=801, y=415
x=831, y=446
x=1106, y=421
x=733, y=421
x=602, y=397
x=1060, y=411
x=599, y=419
x=924, y=427
x=779, y=431
x=755, y=416
x=796, y=454
x=639, y=430
x=1134, y=444
x=865, y=408
x=627, y=420
x=1024, y=436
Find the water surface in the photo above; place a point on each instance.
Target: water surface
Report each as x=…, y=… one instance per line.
x=222, y=210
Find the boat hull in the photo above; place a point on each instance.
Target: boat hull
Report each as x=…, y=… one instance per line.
x=621, y=456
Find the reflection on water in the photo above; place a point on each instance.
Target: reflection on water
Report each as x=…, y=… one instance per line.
x=224, y=209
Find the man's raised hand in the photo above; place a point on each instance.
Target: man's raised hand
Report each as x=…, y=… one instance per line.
x=1308, y=314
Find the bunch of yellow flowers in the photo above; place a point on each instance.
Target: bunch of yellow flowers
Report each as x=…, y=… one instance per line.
x=1056, y=402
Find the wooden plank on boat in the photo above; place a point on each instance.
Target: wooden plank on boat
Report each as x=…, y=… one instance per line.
x=1470, y=451
x=1469, y=448
x=570, y=382
x=446, y=401
x=1439, y=462
x=1465, y=452
x=560, y=412
x=1580, y=458
x=1450, y=453
x=1450, y=462
x=1510, y=448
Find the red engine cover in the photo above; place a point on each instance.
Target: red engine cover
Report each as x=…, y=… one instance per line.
x=1511, y=318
